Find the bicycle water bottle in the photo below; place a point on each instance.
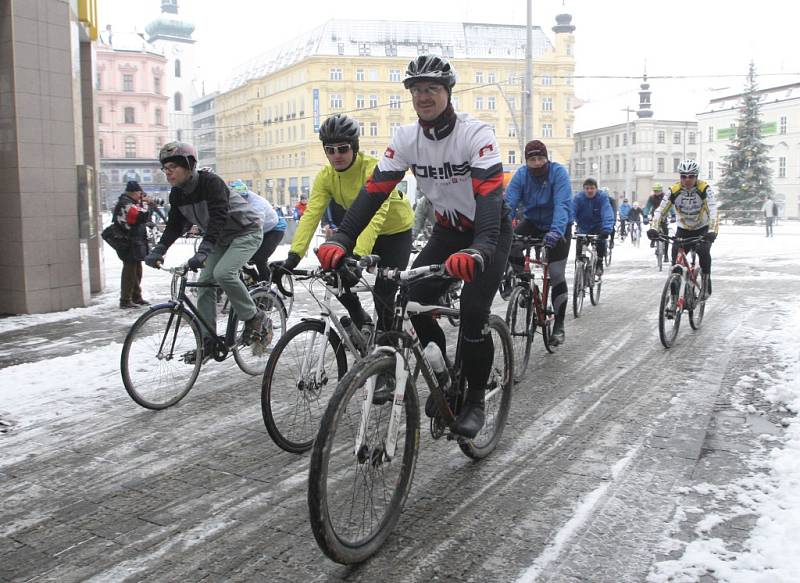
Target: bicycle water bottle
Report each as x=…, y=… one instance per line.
x=353, y=332
x=434, y=356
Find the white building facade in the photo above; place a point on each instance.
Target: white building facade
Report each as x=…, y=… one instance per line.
x=780, y=128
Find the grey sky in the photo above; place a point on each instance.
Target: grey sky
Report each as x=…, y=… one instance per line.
x=613, y=37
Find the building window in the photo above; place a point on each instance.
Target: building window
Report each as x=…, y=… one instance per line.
x=512, y=131
x=608, y=141
x=364, y=50
x=512, y=157
x=710, y=170
x=178, y=101
x=710, y=133
x=335, y=74
x=391, y=49
x=130, y=115
x=158, y=120
x=127, y=82
x=547, y=80
x=616, y=140
x=608, y=165
x=569, y=130
x=177, y=68
x=373, y=101
x=781, y=167
x=373, y=129
x=100, y=147
x=491, y=77
x=393, y=127
x=616, y=165
x=99, y=115
x=625, y=139
x=359, y=74
x=675, y=162
x=394, y=75
x=660, y=165
x=547, y=130
x=676, y=137
x=336, y=101
x=633, y=137
x=394, y=102
x=361, y=129
x=547, y=104
x=782, y=123
x=478, y=76
x=591, y=143
x=478, y=102
x=98, y=81
x=491, y=103
x=692, y=139
x=340, y=48
x=359, y=102
x=157, y=85
x=130, y=147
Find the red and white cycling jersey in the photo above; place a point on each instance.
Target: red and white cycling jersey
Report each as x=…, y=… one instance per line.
x=450, y=171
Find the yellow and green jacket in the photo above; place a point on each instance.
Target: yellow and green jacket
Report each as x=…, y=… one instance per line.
x=394, y=215
x=695, y=207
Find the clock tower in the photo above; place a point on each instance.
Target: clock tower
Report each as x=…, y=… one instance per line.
x=172, y=36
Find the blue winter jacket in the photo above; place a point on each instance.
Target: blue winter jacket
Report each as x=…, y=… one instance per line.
x=546, y=200
x=593, y=215
x=624, y=209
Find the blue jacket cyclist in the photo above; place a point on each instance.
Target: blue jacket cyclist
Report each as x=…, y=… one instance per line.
x=594, y=216
x=542, y=189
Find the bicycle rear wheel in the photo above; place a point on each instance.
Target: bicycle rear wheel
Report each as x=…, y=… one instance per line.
x=699, y=306
x=498, y=393
x=154, y=362
x=301, y=375
x=578, y=288
x=669, y=314
x=252, y=358
x=549, y=318
x=355, y=497
x=519, y=317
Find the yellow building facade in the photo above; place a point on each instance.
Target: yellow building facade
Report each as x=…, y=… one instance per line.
x=268, y=118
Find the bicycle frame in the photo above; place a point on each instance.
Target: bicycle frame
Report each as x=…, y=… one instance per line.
x=688, y=268
x=529, y=277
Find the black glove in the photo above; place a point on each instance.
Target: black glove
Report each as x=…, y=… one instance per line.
x=155, y=258
x=710, y=236
x=603, y=235
x=652, y=234
x=291, y=262
x=645, y=220
x=198, y=260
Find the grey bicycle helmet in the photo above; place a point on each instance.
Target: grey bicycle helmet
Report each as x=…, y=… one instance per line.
x=179, y=153
x=430, y=68
x=688, y=166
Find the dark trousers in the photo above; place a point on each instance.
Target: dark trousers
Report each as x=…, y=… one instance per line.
x=477, y=348
x=703, y=248
x=261, y=257
x=770, y=221
x=600, y=245
x=130, y=286
x=394, y=251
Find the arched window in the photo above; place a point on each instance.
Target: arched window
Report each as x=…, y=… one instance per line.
x=130, y=147
x=177, y=68
x=178, y=100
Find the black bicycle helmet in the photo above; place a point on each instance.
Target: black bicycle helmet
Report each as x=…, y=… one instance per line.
x=339, y=128
x=430, y=68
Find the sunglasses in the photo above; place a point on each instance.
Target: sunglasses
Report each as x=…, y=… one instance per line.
x=429, y=90
x=688, y=175
x=331, y=150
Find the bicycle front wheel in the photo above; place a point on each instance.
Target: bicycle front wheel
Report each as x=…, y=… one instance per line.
x=699, y=305
x=498, y=393
x=356, y=492
x=157, y=363
x=669, y=314
x=660, y=254
x=301, y=375
x=608, y=253
x=578, y=289
x=519, y=316
x=595, y=284
x=252, y=358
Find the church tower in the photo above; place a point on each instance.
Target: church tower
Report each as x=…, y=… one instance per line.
x=172, y=36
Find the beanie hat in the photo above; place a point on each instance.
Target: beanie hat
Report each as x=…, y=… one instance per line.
x=133, y=186
x=535, y=148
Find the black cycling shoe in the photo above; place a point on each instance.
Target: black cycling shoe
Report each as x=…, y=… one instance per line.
x=557, y=335
x=470, y=421
x=383, y=393
x=430, y=407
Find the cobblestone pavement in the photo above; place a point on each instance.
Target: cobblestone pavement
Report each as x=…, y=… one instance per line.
x=603, y=440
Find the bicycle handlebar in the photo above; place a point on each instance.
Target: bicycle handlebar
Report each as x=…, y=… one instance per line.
x=407, y=276
x=528, y=240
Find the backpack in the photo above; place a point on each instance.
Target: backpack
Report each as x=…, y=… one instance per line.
x=116, y=237
x=774, y=209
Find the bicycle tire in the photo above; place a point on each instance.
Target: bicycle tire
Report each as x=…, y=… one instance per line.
x=153, y=384
x=549, y=318
x=594, y=286
x=699, y=307
x=609, y=249
x=578, y=288
x=339, y=478
x=252, y=358
x=293, y=409
x=519, y=318
x=660, y=254
x=498, y=394
x=668, y=327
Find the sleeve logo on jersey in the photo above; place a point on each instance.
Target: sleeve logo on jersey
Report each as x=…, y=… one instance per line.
x=488, y=147
x=389, y=153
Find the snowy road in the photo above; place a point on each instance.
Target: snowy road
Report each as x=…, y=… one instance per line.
x=621, y=461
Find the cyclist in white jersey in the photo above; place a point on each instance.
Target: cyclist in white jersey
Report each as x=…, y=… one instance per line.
x=456, y=162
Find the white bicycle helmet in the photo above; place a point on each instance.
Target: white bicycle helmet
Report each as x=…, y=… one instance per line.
x=688, y=166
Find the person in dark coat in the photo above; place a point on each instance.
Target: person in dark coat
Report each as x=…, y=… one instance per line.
x=132, y=212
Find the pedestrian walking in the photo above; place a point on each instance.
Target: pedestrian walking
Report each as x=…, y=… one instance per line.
x=770, y=210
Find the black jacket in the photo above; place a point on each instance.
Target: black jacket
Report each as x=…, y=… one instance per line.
x=133, y=218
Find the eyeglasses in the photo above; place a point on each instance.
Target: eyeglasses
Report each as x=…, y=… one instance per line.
x=331, y=150
x=429, y=90
x=688, y=176
x=169, y=167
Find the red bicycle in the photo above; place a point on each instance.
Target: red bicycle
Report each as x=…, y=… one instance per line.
x=529, y=306
x=685, y=289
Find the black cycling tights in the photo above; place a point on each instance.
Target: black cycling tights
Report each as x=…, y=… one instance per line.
x=702, y=248
x=477, y=349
